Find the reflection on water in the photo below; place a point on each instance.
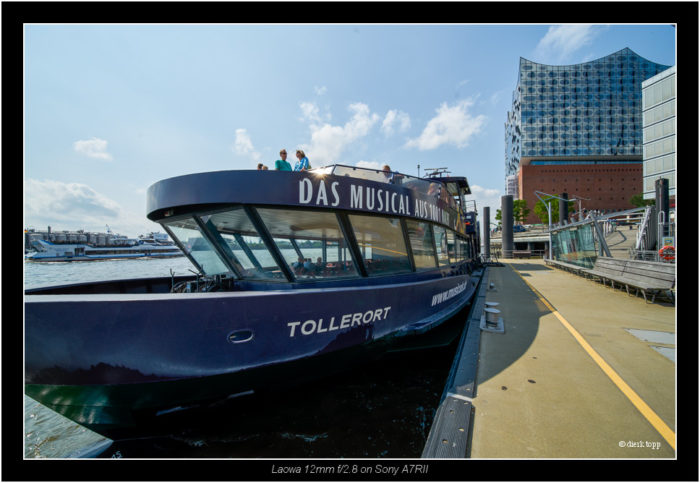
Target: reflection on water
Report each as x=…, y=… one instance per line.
x=47, y=434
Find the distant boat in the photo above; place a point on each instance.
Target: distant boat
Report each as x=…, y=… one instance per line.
x=377, y=264
x=153, y=245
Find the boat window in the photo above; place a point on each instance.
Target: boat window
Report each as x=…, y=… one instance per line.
x=463, y=247
x=441, y=245
x=381, y=243
x=197, y=246
x=311, y=243
x=243, y=245
x=421, y=236
x=458, y=249
x=451, y=247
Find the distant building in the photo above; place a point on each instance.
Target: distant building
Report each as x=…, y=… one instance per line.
x=578, y=129
x=512, y=186
x=659, y=122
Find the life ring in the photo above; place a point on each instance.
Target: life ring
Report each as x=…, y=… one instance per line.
x=667, y=252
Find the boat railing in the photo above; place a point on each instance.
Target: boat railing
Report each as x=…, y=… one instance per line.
x=378, y=175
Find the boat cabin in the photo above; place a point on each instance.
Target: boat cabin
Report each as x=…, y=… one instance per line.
x=332, y=223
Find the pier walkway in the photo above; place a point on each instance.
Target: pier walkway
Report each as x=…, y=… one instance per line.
x=582, y=370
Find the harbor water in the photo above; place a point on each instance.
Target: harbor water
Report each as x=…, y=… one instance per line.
x=378, y=409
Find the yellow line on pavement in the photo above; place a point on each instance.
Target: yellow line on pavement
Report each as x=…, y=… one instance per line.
x=634, y=398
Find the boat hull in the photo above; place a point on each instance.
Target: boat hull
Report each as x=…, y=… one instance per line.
x=105, y=360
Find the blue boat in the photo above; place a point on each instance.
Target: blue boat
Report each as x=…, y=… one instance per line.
x=299, y=274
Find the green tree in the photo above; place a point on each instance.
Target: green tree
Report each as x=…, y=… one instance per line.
x=541, y=210
x=639, y=201
x=520, y=212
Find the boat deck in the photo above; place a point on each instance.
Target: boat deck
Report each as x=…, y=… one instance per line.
x=581, y=371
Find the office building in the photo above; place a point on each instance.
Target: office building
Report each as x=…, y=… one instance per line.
x=659, y=123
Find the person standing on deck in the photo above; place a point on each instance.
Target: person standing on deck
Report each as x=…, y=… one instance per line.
x=303, y=163
x=283, y=164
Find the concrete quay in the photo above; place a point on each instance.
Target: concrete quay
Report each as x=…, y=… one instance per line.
x=582, y=370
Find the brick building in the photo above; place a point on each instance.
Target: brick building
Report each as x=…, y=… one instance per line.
x=607, y=186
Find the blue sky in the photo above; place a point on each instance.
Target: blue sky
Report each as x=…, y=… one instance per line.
x=111, y=109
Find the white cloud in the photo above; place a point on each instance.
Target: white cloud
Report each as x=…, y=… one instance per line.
x=394, y=117
x=327, y=141
x=93, y=148
x=309, y=112
x=561, y=41
x=485, y=197
x=497, y=96
x=452, y=125
x=244, y=146
x=75, y=206
x=320, y=90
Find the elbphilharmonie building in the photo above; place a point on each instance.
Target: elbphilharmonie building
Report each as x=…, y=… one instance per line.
x=576, y=116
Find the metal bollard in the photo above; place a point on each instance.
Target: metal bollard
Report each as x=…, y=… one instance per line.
x=492, y=316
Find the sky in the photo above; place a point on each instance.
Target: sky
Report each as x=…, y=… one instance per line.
x=111, y=109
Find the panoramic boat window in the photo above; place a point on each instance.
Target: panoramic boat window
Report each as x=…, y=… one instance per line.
x=243, y=244
x=187, y=232
x=382, y=244
x=441, y=244
x=421, y=236
x=311, y=243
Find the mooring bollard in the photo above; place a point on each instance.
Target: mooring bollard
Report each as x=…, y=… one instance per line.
x=492, y=316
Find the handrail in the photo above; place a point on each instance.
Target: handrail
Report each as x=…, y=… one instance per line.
x=642, y=231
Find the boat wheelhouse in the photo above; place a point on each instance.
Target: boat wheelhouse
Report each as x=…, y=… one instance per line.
x=299, y=274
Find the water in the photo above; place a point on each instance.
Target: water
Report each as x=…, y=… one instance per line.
x=37, y=274
x=378, y=409
x=57, y=273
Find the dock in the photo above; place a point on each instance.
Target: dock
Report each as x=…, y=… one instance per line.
x=580, y=370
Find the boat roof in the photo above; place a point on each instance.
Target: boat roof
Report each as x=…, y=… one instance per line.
x=336, y=187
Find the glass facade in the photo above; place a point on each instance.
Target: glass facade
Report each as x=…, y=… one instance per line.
x=582, y=110
x=659, y=122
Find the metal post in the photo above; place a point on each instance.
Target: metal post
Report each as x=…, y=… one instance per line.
x=487, y=232
x=662, y=205
x=507, y=225
x=549, y=212
x=563, y=209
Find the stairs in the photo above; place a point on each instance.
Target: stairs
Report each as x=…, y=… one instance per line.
x=621, y=240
